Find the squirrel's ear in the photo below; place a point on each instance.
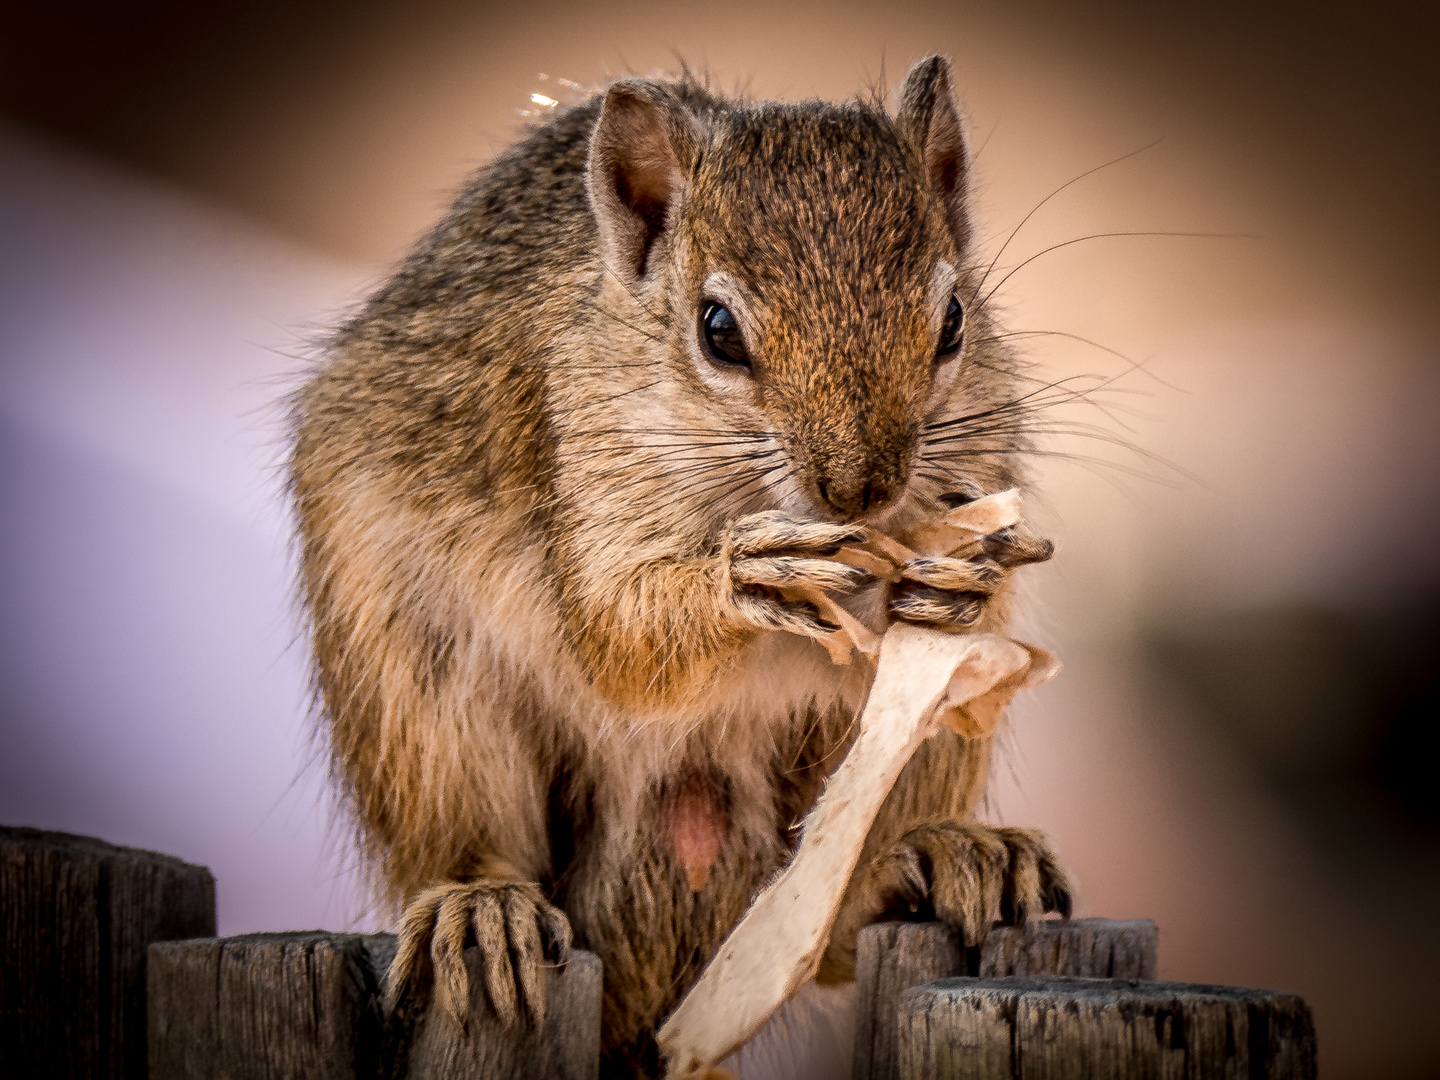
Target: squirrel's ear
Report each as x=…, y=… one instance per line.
x=641, y=151
x=928, y=114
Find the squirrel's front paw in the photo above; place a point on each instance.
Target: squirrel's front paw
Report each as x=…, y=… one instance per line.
x=769, y=552
x=970, y=876
x=951, y=593
x=518, y=934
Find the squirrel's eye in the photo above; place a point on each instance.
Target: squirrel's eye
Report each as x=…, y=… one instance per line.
x=952, y=331
x=720, y=336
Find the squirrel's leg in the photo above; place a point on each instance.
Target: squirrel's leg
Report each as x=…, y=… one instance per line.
x=649, y=632
x=448, y=796
x=479, y=884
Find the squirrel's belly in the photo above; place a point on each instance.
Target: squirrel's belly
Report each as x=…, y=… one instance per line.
x=694, y=826
x=654, y=897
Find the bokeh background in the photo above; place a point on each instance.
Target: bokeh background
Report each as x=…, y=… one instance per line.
x=1243, y=743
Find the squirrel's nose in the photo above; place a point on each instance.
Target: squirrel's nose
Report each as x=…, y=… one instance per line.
x=855, y=499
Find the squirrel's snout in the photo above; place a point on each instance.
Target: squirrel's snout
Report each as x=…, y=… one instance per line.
x=857, y=498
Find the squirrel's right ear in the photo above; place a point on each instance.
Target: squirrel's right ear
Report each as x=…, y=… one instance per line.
x=643, y=148
x=928, y=115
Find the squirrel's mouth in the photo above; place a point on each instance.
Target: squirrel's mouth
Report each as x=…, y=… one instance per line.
x=856, y=497
x=903, y=510
x=891, y=507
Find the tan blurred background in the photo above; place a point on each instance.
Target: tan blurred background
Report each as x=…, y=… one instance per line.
x=1243, y=744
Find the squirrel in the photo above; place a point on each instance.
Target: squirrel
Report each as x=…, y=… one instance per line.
x=661, y=360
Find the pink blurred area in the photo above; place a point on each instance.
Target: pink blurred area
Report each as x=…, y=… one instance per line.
x=1242, y=743
x=153, y=693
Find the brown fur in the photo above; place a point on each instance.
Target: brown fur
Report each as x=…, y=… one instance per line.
x=542, y=537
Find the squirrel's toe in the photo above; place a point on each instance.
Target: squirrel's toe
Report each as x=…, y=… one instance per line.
x=517, y=934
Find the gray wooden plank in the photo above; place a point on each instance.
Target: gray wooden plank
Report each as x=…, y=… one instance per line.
x=281, y=1006
x=271, y=1006
x=1064, y=1028
x=76, y=916
x=152, y=898
x=567, y=1046
x=952, y=1035
x=1097, y=948
x=891, y=957
x=50, y=947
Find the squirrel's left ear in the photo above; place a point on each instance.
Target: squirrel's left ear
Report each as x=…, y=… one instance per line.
x=641, y=151
x=928, y=115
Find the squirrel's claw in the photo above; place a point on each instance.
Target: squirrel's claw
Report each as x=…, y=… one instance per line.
x=951, y=593
x=981, y=575
x=792, y=616
x=770, y=551
x=516, y=931
x=970, y=876
x=788, y=571
x=772, y=532
x=1017, y=546
x=929, y=606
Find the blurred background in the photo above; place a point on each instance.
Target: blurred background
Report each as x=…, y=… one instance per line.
x=1243, y=744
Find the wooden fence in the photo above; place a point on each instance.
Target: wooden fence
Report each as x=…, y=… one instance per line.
x=76, y=916
x=80, y=996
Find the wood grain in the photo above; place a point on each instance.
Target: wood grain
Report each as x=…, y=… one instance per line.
x=567, y=1047
x=308, y=1005
x=1062, y=1028
x=1098, y=948
x=76, y=917
x=892, y=957
x=264, y=1005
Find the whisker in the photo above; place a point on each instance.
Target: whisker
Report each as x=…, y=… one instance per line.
x=716, y=435
x=672, y=450
x=989, y=451
x=692, y=468
x=593, y=306
x=1136, y=365
x=1105, y=236
x=1024, y=402
x=633, y=294
x=1088, y=172
x=721, y=488
x=613, y=397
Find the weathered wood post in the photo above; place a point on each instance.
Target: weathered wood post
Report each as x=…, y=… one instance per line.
x=1049, y=1028
x=76, y=916
x=567, y=1046
x=308, y=1005
x=892, y=957
x=266, y=1005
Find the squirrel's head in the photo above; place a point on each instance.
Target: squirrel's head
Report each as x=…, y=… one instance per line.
x=799, y=266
